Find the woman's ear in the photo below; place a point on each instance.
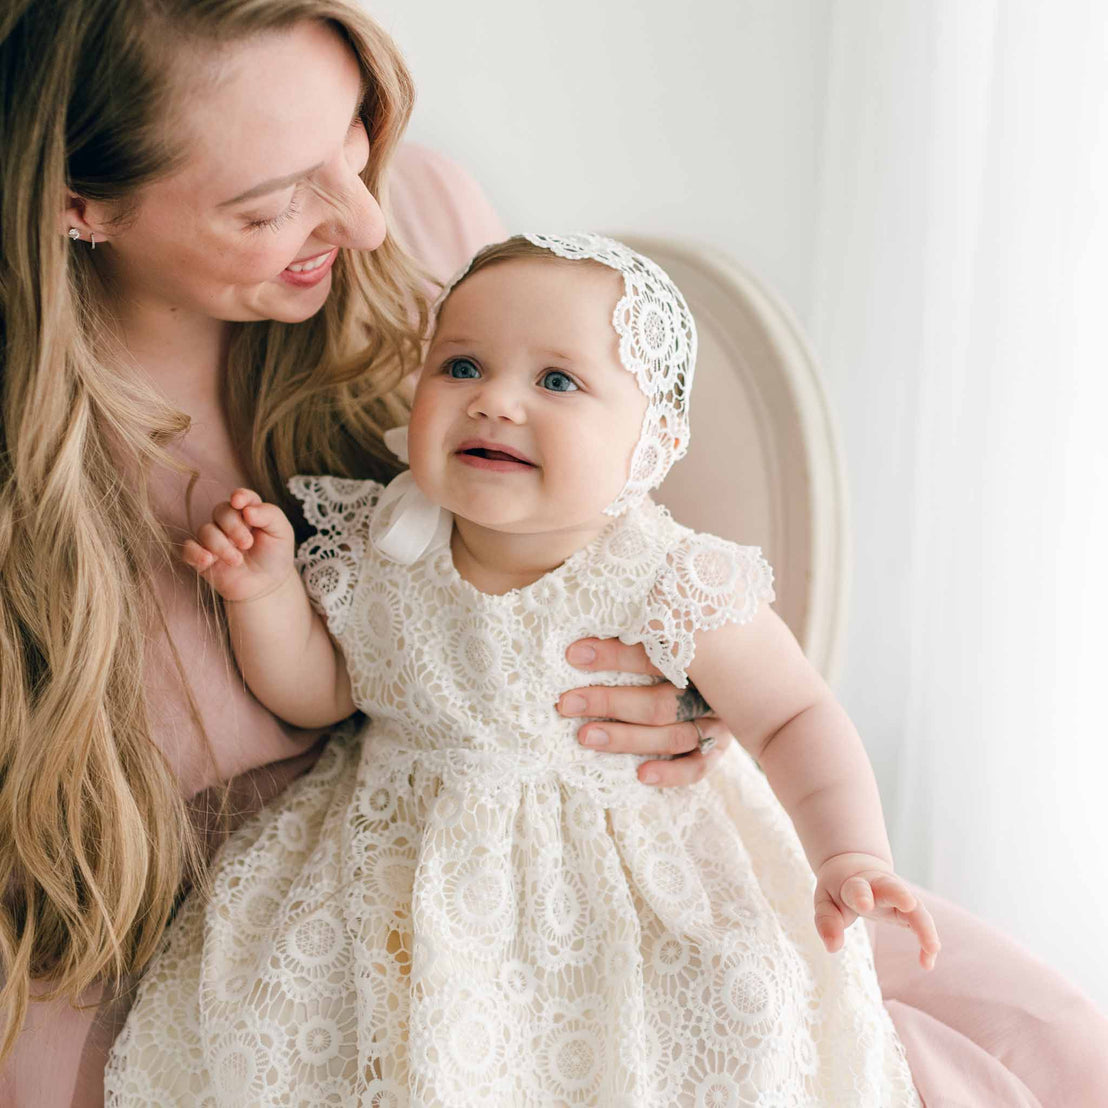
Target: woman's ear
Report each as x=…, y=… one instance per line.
x=87, y=217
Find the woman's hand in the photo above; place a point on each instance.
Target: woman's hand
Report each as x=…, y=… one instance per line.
x=642, y=719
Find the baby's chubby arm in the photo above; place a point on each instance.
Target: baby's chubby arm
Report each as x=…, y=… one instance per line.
x=757, y=679
x=282, y=647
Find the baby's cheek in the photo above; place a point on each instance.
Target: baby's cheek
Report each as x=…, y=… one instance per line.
x=597, y=474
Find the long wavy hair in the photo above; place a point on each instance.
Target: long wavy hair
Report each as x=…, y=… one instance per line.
x=95, y=837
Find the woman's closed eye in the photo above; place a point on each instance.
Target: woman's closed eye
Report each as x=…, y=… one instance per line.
x=276, y=222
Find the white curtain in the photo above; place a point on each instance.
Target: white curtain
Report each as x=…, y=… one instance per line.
x=961, y=311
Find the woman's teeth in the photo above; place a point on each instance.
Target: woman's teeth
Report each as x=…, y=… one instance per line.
x=310, y=264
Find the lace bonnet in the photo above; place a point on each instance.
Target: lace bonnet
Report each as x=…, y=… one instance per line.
x=657, y=344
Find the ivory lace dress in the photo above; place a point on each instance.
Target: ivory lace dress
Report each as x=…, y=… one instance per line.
x=461, y=906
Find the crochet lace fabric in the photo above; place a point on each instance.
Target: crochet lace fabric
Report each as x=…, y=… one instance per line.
x=461, y=906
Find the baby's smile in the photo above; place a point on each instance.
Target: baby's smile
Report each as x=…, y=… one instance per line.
x=493, y=456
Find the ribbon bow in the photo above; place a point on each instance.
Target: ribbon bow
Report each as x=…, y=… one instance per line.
x=410, y=524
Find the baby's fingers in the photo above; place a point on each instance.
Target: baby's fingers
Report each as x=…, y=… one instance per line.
x=831, y=922
x=889, y=891
x=920, y=921
x=196, y=556
x=243, y=498
x=857, y=895
x=233, y=524
x=268, y=518
x=893, y=900
x=212, y=539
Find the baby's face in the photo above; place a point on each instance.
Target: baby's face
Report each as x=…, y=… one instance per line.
x=524, y=419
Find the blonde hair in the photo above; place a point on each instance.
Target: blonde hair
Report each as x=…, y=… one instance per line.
x=95, y=837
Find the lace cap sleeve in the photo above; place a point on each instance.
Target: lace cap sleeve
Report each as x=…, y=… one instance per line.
x=339, y=509
x=705, y=582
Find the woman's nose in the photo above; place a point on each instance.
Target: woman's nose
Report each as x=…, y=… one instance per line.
x=497, y=399
x=355, y=219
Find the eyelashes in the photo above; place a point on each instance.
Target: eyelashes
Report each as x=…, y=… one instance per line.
x=275, y=223
x=567, y=383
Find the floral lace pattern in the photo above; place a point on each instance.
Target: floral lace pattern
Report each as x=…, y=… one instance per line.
x=461, y=906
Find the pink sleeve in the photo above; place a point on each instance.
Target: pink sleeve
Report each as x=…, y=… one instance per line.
x=59, y=1057
x=990, y=1024
x=438, y=211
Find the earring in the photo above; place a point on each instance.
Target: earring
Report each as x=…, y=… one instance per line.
x=92, y=239
x=74, y=234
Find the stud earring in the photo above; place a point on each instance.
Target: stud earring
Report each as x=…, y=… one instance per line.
x=74, y=234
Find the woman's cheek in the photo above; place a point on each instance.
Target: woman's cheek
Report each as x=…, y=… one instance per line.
x=267, y=260
x=357, y=154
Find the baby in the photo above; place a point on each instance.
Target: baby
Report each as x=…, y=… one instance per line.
x=463, y=904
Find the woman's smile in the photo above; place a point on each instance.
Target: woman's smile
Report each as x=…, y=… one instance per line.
x=310, y=271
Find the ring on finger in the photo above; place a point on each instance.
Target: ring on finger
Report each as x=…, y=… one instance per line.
x=704, y=743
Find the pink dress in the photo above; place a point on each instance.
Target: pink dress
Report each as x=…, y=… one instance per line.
x=991, y=1026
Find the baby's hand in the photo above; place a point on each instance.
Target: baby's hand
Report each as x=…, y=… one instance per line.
x=243, y=524
x=852, y=885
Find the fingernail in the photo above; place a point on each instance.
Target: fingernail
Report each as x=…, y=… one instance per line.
x=573, y=705
x=596, y=737
x=581, y=655
x=649, y=778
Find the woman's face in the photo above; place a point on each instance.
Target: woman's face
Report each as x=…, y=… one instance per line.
x=249, y=227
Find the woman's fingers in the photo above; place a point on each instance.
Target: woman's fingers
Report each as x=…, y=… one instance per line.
x=607, y=655
x=688, y=769
x=627, y=738
x=654, y=705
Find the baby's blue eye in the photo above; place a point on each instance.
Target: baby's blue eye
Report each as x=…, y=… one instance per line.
x=462, y=369
x=557, y=381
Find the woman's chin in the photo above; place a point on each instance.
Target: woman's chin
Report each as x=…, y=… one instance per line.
x=287, y=304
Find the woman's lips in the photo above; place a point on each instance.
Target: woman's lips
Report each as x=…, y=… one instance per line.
x=310, y=271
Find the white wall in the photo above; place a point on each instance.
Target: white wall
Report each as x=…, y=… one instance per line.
x=699, y=119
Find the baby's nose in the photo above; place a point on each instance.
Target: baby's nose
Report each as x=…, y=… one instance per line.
x=498, y=399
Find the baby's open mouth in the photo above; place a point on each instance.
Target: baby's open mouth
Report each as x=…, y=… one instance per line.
x=494, y=455
x=492, y=452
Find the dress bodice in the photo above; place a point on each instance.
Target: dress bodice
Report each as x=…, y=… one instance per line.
x=471, y=679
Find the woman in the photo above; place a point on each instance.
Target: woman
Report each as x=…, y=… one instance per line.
x=197, y=291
